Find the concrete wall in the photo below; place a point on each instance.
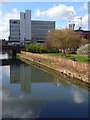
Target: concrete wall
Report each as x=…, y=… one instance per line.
x=25, y=25
x=22, y=26
x=28, y=24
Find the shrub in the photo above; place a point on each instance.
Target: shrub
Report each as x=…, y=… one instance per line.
x=35, y=48
x=84, y=50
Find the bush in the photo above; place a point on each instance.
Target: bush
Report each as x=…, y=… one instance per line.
x=35, y=48
x=84, y=50
x=39, y=48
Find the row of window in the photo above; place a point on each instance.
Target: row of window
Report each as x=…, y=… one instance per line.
x=37, y=38
x=14, y=22
x=34, y=23
x=42, y=26
x=42, y=23
x=14, y=37
x=15, y=26
x=15, y=30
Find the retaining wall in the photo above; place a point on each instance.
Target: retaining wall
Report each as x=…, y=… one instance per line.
x=75, y=69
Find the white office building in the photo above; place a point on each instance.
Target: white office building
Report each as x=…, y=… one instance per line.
x=27, y=30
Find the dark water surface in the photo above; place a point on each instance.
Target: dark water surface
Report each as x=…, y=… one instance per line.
x=29, y=92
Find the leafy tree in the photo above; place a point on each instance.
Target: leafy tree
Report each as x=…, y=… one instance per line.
x=63, y=39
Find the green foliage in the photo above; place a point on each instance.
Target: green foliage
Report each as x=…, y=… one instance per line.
x=35, y=48
x=39, y=48
x=84, y=50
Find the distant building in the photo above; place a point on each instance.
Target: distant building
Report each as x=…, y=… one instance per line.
x=40, y=29
x=27, y=30
x=84, y=34
x=14, y=30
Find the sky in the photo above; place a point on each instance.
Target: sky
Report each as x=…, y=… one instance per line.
x=60, y=12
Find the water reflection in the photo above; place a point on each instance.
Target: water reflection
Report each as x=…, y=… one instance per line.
x=78, y=96
x=4, y=56
x=0, y=92
x=29, y=92
x=23, y=74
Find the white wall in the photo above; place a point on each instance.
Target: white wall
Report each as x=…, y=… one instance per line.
x=22, y=26
x=28, y=24
x=25, y=25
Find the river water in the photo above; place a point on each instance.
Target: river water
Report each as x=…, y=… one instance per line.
x=30, y=92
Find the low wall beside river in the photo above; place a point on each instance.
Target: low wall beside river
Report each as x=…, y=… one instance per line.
x=75, y=69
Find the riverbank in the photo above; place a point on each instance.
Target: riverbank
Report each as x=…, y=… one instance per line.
x=71, y=68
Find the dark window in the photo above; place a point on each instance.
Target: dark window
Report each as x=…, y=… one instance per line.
x=40, y=41
x=24, y=15
x=14, y=22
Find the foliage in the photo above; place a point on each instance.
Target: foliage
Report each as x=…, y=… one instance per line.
x=84, y=49
x=35, y=48
x=63, y=39
x=39, y=48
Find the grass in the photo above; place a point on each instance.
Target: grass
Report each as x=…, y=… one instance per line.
x=73, y=57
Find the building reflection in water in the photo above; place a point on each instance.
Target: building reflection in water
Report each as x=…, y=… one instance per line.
x=24, y=75
x=21, y=74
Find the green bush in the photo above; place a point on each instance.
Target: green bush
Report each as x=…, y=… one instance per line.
x=53, y=50
x=35, y=48
x=84, y=50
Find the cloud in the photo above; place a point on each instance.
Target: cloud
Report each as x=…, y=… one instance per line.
x=84, y=7
x=4, y=22
x=30, y=109
x=78, y=97
x=6, y=71
x=83, y=23
x=60, y=11
x=0, y=74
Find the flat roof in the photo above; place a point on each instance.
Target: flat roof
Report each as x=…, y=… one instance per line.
x=35, y=20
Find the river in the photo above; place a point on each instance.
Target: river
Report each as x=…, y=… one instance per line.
x=30, y=92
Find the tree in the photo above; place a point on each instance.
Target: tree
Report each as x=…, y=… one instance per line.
x=63, y=39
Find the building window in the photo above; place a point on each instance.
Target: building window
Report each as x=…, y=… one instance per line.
x=15, y=22
x=24, y=15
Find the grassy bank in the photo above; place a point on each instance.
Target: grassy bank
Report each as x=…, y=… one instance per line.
x=73, y=57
